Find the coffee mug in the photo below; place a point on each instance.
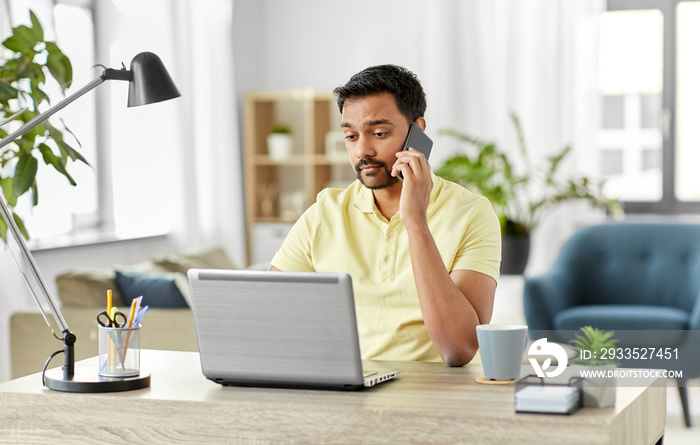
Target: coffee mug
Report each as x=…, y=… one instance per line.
x=502, y=348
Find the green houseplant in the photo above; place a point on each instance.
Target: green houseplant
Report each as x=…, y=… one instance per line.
x=520, y=198
x=594, y=352
x=23, y=77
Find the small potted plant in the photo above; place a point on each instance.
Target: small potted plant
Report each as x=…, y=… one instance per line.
x=279, y=142
x=594, y=360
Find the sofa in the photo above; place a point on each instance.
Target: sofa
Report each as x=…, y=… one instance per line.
x=161, y=281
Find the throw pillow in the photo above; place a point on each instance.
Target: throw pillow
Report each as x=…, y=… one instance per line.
x=215, y=258
x=87, y=287
x=158, y=290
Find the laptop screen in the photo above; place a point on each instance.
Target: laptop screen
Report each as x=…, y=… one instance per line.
x=276, y=327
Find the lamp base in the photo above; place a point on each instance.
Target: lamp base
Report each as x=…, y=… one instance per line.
x=88, y=380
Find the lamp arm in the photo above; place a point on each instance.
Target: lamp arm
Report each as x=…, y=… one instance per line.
x=28, y=259
x=24, y=129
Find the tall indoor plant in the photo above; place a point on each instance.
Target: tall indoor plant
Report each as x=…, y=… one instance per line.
x=519, y=198
x=23, y=76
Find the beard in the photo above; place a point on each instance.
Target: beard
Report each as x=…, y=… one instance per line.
x=391, y=180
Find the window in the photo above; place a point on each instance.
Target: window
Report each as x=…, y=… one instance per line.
x=648, y=139
x=127, y=191
x=63, y=208
x=687, y=102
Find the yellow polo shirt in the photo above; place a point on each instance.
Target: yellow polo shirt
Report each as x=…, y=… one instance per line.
x=345, y=232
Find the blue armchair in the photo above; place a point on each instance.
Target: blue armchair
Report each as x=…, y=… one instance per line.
x=626, y=278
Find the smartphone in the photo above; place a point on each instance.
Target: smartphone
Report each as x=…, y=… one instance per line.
x=417, y=140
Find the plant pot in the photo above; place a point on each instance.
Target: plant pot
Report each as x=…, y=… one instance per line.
x=600, y=391
x=515, y=251
x=279, y=146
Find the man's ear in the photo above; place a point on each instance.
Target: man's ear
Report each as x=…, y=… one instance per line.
x=420, y=122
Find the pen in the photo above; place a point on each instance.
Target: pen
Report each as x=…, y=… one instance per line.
x=140, y=315
x=109, y=302
x=131, y=324
x=135, y=311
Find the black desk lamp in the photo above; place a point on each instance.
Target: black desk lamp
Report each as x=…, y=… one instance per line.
x=149, y=82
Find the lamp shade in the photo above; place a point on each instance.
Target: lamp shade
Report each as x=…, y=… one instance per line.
x=150, y=82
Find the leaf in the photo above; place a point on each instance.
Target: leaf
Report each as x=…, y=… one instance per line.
x=20, y=225
x=66, y=149
x=26, y=142
x=25, y=173
x=36, y=26
x=555, y=161
x=7, y=92
x=58, y=163
x=59, y=66
x=3, y=229
x=38, y=95
x=522, y=143
x=8, y=191
x=68, y=130
x=23, y=40
x=35, y=194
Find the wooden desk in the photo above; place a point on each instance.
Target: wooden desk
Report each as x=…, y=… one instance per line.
x=428, y=403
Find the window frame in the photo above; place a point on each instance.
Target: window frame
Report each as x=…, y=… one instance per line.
x=669, y=204
x=99, y=223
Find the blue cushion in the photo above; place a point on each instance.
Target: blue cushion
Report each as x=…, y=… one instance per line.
x=158, y=290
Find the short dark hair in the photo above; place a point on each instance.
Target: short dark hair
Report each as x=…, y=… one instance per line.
x=396, y=80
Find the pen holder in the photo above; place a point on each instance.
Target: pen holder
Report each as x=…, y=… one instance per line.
x=119, y=351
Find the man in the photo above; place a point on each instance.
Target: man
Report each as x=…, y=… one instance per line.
x=423, y=253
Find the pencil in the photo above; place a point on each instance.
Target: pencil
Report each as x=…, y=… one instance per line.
x=128, y=334
x=131, y=314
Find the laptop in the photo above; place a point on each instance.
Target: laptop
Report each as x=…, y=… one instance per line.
x=279, y=329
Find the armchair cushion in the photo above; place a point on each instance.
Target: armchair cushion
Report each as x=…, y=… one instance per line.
x=625, y=317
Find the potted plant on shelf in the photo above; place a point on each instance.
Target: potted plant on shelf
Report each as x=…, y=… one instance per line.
x=594, y=350
x=519, y=198
x=279, y=142
x=22, y=83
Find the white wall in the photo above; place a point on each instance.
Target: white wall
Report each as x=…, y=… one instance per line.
x=320, y=44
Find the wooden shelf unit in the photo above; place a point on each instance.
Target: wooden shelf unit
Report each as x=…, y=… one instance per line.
x=278, y=191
